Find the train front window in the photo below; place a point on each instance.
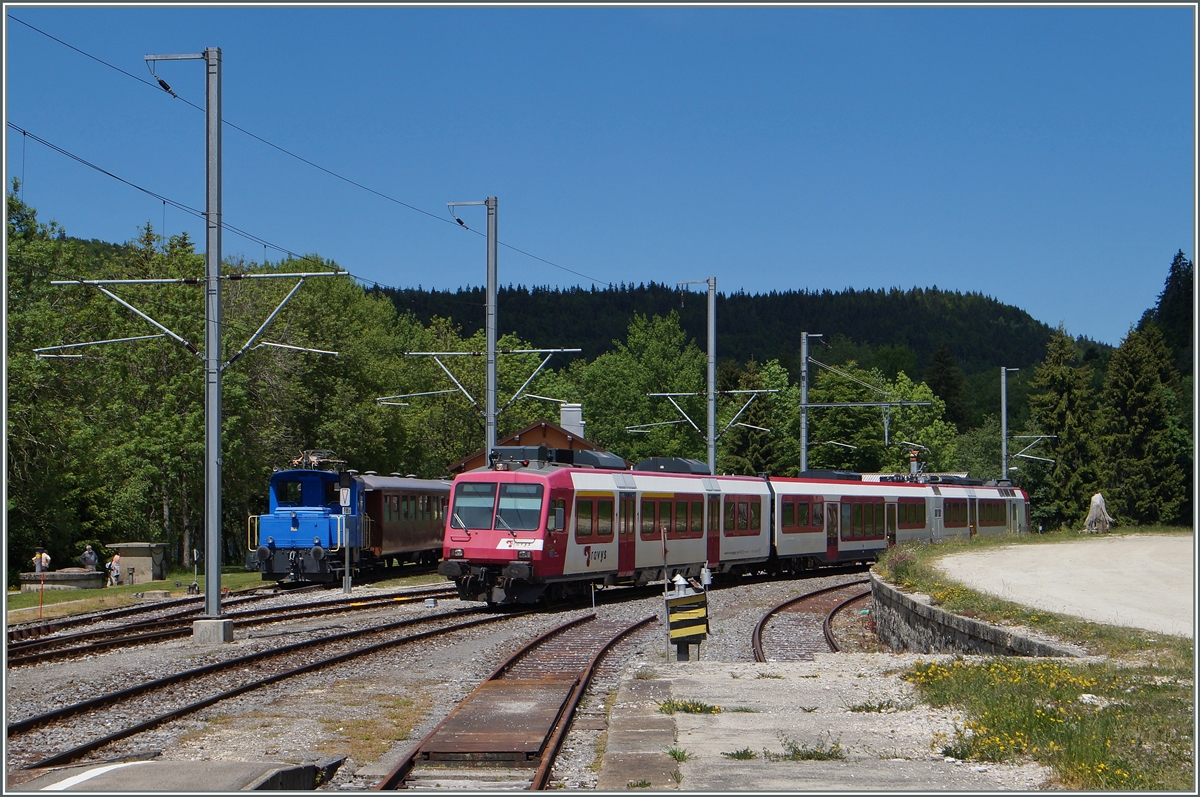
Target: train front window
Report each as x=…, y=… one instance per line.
x=473, y=504
x=288, y=494
x=520, y=507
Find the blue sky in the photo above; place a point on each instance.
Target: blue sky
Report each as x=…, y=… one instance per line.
x=1043, y=156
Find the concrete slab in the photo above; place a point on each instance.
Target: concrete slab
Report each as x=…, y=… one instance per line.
x=1138, y=580
x=181, y=777
x=767, y=708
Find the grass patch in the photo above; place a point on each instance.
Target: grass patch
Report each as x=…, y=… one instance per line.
x=742, y=710
x=824, y=750
x=745, y=754
x=638, y=784
x=769, y=675
x=673, y=706
x=679, y=754
x=645, y=674
x=677, y=776
x=391, y=719
x=1098, y=726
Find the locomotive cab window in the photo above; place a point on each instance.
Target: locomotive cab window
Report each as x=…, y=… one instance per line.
x=332, y=494
x=520, y=507
x=473, y=503
x=288, y=494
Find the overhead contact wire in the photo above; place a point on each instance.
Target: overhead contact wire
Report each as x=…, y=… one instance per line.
x=302, y=159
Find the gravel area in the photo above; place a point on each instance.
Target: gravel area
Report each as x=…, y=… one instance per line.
x=374, y=709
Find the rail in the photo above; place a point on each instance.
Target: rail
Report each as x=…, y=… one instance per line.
x=756, y=637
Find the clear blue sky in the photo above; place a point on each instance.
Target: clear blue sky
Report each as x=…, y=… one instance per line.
x=1043, y=156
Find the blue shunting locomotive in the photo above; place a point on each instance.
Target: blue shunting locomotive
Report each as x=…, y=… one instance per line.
x=315, y=515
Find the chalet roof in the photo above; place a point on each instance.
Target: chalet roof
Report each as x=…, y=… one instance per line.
x=541, y=432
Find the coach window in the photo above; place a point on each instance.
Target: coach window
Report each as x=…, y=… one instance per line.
x=846, y=526
x=789, y=515
x=818, y=513
x=681, y=525
x=856, y=523
x=714, y=513
x=743, y=515
x=696, y=521
x=755, y=515
x=879, y=520
x=802, y=513
x=404, y=507
x=583, y=517
x=604, y=518
x=730, y=515
x=649, y=531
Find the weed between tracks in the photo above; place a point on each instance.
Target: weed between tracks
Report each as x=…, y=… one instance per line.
x=378, y=723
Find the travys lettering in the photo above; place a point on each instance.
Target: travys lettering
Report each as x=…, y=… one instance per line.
x=589, y=556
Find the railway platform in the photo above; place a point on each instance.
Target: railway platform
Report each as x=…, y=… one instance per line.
x=178, y=777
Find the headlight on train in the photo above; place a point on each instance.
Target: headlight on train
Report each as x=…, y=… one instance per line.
x=318, y=553
x=264, y=553
x=456, y=553
x=524, y=554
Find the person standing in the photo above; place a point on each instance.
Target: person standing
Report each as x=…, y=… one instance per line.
x=88, y=558
x=41, y=561
x=114, y=570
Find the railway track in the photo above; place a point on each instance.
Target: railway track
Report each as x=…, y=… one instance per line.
x=19, y=632
x=141, y=708
x=800, y=627
x=180, y=625
x=507, y=732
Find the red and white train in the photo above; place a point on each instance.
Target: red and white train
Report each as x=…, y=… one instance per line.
x=547, y=524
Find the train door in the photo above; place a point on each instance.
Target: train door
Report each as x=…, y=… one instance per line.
x=556, y=533
x=714, y=530
x=831, y=530
x=627, y=540
x=973, y=516
x=890, y=524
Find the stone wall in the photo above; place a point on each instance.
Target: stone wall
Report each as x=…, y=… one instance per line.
x=910, y=622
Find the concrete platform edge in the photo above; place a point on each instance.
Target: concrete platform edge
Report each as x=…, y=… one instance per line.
x=909, y=622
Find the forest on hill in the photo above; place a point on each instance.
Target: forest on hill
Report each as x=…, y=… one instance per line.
x=108, y=444
x=981, y=332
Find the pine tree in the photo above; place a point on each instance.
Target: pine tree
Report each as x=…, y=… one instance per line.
x=1173, y=314
x=1062, y=404
x=1143, y=438
x=946, y=380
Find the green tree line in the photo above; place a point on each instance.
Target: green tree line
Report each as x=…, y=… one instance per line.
x=107, y=447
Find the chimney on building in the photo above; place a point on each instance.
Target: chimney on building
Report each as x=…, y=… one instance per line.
x=571, y=419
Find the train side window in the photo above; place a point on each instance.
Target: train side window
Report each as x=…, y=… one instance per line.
x=921, y=513
x=743, y=515
x=755, y=514
x=556, y=504
x=856, y=523
x=583, y=517
x=878, y=520
x=696, y=522
x=681, y=524
x=649, y=531
x=730, y=515
x=802, y=513
x=404, y=507
x=818, y=513
x=847, y=530
x=714, y=513
x=604, y=518
x=789, y=515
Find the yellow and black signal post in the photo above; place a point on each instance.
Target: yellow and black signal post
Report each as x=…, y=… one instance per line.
x=687, y=621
